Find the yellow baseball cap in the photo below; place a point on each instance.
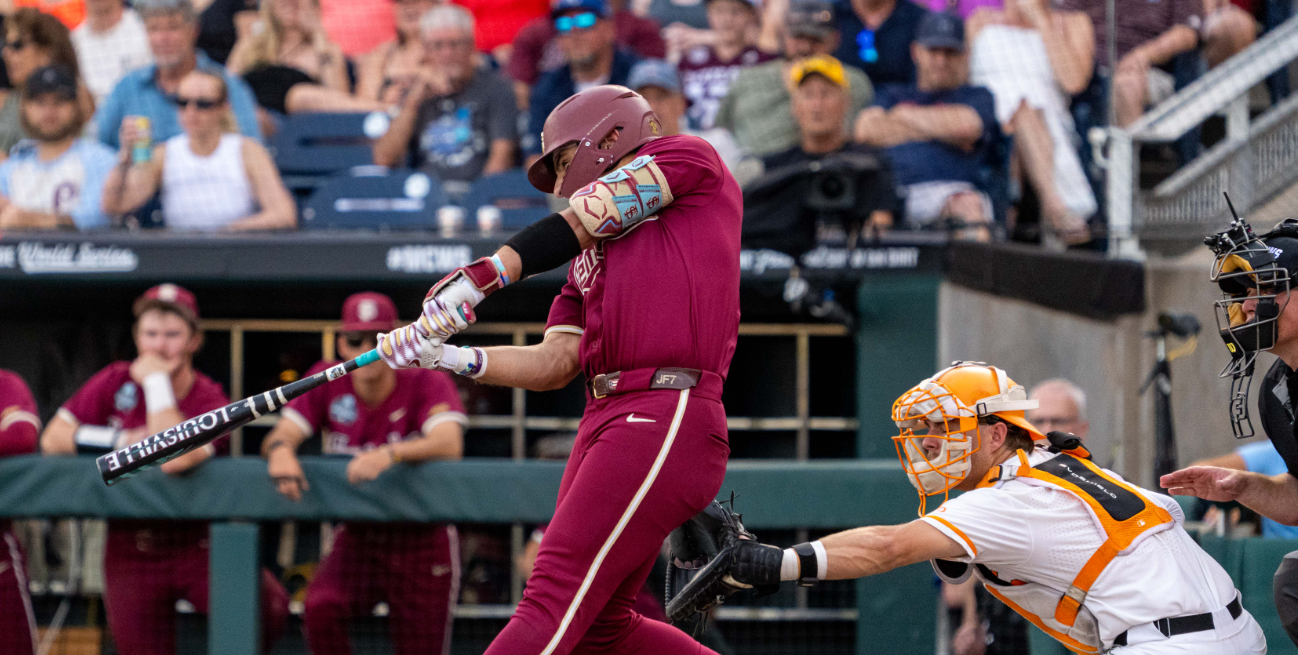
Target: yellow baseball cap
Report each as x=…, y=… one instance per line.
x=825, y=65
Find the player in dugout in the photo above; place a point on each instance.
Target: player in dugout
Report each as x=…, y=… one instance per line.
x=1096, y=562
x=381, y=418
x=19, y=429
x=650, y=314
x=149, y=564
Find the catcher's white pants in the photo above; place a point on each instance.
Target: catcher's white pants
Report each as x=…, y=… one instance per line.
x=1242, y=636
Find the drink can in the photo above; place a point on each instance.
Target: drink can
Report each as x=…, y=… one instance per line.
x=450, y=219
x=142, y=149
x=488, y=219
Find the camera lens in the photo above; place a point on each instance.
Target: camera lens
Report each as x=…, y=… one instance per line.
x=832, y=186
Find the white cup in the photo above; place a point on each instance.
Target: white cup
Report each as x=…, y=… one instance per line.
x=489, y=218
x=450, y=219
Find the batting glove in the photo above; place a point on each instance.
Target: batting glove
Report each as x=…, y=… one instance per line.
x=407, y=348
x=448, y=307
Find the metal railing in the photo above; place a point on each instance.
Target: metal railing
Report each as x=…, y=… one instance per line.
x=1255, y=162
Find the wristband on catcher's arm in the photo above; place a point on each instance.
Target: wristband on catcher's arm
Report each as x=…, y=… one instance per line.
x=806, y=562
x=545, y=245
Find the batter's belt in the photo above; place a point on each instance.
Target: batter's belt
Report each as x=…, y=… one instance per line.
x=705, y=384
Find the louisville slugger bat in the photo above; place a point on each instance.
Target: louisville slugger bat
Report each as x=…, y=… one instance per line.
x=205, y=428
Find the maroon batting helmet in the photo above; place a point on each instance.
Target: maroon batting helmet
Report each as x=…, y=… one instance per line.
x=585, y=119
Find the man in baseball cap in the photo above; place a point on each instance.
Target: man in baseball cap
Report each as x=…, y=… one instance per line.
x=55, y=178
x=149, y=565
x=756, y=110
x=938, y=171
x=380, y=417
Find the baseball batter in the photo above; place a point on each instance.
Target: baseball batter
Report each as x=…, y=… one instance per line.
x=1096, y=562
x=650, y=314
x=19, y=429
x=149, y=565
x=381, y=418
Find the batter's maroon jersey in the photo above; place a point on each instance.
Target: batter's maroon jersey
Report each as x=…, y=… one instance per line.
x=705, y=80
x=112, y=398
x=665, y=293
x=19, y=424
x=420, y=400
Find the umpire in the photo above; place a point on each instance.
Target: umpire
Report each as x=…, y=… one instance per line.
x=1255, y=315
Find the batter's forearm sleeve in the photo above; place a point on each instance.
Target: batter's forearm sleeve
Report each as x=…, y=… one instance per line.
x=545, y=245
x=618, y=201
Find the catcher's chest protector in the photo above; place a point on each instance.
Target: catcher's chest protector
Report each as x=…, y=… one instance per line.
x=1126, y=517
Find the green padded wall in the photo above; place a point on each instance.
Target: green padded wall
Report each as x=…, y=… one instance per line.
x=896, y=348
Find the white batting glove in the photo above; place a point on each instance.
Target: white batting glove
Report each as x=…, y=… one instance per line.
x=407, y=348
x=448, y=312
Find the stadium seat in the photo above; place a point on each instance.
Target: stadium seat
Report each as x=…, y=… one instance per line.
x=519, y=202
x=375, y=198
x=310, y=147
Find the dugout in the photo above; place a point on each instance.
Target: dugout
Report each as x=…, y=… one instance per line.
x=807, y=398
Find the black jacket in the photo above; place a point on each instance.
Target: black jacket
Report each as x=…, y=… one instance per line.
x=1276, y=405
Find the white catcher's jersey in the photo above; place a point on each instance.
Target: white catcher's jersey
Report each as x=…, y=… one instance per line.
x=1026, y=536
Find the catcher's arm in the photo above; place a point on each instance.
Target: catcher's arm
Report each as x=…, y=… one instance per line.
x=877, y=549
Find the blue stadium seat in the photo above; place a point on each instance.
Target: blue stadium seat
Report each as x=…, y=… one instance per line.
x=309, y=147
x=375, y=198
x=519, y=202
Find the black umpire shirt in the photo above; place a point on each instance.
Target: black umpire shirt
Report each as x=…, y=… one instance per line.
x=1276, y=405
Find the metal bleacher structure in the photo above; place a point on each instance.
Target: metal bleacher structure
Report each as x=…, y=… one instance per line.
x=1255, y=163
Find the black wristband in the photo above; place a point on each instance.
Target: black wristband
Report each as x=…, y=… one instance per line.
x=808, y=565
x=545, y=245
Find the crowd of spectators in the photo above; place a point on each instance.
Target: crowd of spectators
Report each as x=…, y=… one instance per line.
x=969, y=105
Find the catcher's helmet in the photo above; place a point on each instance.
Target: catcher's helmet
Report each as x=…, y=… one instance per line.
x=947, y=406
x=585, y=119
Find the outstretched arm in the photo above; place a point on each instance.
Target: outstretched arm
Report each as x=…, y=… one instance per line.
x=880, y=548
x=1272, y=496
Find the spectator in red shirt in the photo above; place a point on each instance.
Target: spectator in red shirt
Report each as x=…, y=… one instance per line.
x=536, y=51
x=358, y=26
x=150, y=564
x=19, y=428
x=708, y=70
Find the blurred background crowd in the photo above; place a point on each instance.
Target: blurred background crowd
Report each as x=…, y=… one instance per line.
x=969, y=117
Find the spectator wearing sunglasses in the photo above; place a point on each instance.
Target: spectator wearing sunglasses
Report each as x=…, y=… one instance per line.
x=588, y=41
x=211, y=177
x=537, y=50
x=757, y=107
x=172, y=26
x=55, y=179
x=937, y=132
x=708, y=70
x=459, y=121
x=876, y=37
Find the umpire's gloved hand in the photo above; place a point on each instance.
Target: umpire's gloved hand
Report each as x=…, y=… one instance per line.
x=406, y=347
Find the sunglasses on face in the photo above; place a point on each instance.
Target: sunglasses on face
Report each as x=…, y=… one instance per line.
x=582, y=21
x=865, y=44
x=360, y=339
x=201, y=103
x=15, y=45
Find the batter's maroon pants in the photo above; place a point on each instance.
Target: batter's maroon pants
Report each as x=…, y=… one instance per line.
x=644, y=463
x=415, y=569
x=17, y=622
x=149, y=566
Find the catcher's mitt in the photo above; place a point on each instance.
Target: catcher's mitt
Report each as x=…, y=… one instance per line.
x=712, y=557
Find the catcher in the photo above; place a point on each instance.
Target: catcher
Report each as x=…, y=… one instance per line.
x=1096, y=562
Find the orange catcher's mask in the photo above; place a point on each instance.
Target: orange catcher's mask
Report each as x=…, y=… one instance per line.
x=944, y=411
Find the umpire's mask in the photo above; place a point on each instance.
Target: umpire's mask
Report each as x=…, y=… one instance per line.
x=1252, y=269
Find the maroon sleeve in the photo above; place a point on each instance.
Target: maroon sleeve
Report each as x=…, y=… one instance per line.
x=20, y=425
x=529, y=46
x=92, y=403
x=642, y=35
x=438, y=401
x=566, y=311
x=689, y=163
x=312, y=406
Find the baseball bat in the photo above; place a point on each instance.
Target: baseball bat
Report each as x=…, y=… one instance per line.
x=205, y=428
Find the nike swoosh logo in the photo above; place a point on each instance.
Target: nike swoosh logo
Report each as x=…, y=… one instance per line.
x=632, y=419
